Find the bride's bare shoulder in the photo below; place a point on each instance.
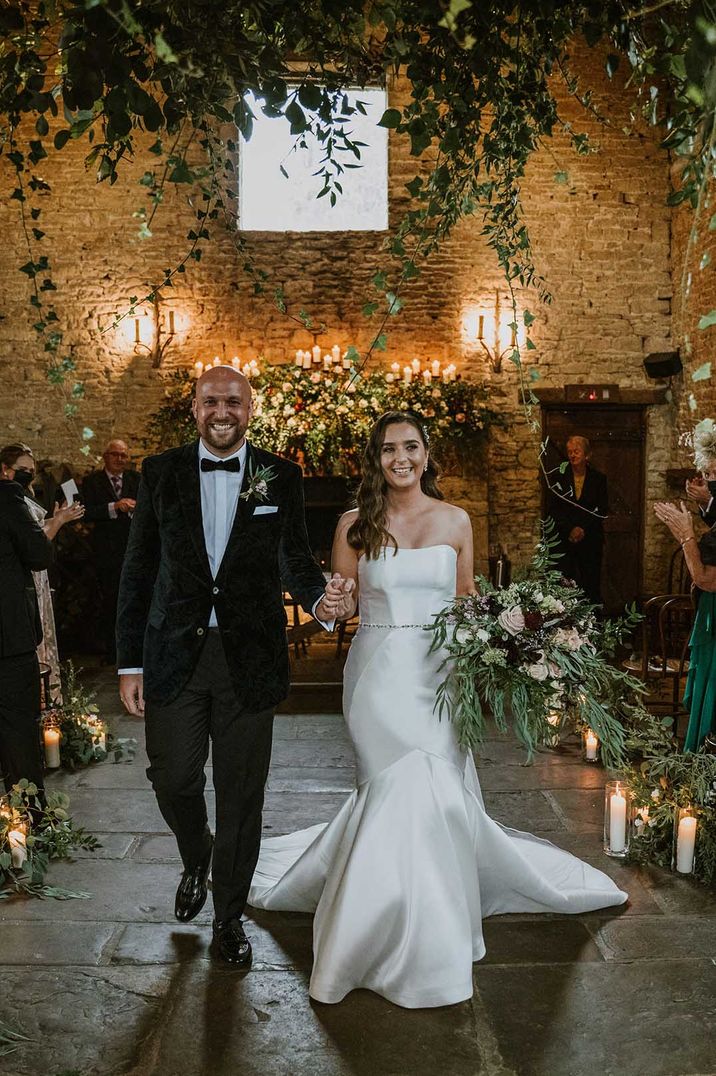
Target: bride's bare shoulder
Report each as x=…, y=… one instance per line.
x=346, y=521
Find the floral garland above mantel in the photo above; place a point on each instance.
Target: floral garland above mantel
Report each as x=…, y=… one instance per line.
x=321, y=416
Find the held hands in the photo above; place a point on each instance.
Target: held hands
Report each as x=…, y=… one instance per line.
x=576, y=534
x=679, y=521
x=338, y=602
x=125, y=504
x=131, y=692
x=697, y=490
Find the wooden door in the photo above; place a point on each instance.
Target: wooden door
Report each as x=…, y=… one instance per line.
x=617, y=433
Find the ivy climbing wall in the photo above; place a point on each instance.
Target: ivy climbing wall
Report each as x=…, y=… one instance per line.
x=602, y=238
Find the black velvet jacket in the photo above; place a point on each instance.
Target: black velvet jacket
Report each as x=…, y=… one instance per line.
x=24, y=549
x=167, y=591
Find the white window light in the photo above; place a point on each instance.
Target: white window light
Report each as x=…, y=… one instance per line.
x=268, y=201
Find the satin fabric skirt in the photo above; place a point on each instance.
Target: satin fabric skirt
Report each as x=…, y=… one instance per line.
x=401, y=879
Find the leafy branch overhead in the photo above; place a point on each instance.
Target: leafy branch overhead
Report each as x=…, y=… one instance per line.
x=171, y=84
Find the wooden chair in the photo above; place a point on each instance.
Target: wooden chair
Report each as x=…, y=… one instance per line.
x=665, y=633
x=678, y=580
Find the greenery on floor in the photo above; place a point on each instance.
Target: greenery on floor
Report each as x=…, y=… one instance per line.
x=33, y=834
x=84, y=737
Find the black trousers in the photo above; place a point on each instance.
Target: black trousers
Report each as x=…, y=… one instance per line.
x=178, y=738
x=108, y=576
x=20, y=751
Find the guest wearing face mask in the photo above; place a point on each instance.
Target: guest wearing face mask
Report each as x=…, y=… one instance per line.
x=17, y=464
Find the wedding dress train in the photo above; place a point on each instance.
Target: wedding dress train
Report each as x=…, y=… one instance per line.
x=403, y=876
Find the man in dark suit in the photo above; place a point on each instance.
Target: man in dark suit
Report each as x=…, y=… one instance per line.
x=702, y=489
x=579, y=508
x=218, y=530
x=24, y=549
x=110, y=496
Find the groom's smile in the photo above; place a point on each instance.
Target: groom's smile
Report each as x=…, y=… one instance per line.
x=222, y=408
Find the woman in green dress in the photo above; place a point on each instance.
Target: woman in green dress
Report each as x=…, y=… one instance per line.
x=700, y=556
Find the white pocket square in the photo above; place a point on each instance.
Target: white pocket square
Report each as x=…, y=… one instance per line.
x=265, y=509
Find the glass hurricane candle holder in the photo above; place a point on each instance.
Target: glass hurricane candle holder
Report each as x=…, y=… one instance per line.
x=590, y=746
x=617, y=814
x=554, y=720
x=685, y=831
x=51, y=737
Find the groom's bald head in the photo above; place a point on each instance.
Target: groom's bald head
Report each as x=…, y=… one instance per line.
x=222, y=407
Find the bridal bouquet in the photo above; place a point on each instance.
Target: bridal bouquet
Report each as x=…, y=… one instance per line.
x=533, y=651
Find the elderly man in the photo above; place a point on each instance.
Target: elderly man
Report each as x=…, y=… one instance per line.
x=579, y=508
x=110, y=496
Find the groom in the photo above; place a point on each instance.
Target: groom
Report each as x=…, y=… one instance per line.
x=218, y=532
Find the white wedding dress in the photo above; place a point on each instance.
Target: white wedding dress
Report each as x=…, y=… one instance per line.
x=403, y=876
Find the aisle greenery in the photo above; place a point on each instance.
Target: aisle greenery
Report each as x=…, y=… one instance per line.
x=31, y=835
x=84, y=737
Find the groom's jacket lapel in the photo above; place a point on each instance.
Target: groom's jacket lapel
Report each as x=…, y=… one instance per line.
x=189, y=489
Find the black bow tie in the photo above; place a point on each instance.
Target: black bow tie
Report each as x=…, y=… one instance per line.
x=221, y=465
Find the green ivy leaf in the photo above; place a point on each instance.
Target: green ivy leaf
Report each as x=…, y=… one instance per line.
x=381, y=342
x=703, y=373
x=708, y=320
x=163, y=50
x=391, y=118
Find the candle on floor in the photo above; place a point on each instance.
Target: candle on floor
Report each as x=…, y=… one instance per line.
x=685, y=842
x=51, y=739
x=18, y=847
x=316, y=350
x=298, y=361
x=617, y=820
x=591, y=746
x=407, y=375
x=427, y=377
x=435, y=368
x=336, y=353
x=307, y=360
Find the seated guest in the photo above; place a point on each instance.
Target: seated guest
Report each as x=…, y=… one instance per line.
x=110, y=496
x=700, y=556
x=24, y=549
x=578, y=507
x=17, y=464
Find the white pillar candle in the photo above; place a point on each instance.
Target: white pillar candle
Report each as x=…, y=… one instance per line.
x=336, y=353
x=217, y=361
x=236, y=362
x=427, y=377
x=346, y=362
x=407, y=375
x=591, y=745
x=617, y=821
x=395, y=367
x=298, y=361
x=198, y=368
x=435, y=368
x=390, y=378
x=316, y=350
x=307, y=360
x=685, y=844
x=416, y=366
x=51, y=738
x=327, y=362
x=18, y=848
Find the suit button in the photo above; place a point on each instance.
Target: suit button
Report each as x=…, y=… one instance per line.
x=214, y=590
x=199, y=631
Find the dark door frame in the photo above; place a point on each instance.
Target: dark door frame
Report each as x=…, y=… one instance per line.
x=554, y=400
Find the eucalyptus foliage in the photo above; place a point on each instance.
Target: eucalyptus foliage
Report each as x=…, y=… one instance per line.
x=50, y=834
x=530, y=651
x=80, y=744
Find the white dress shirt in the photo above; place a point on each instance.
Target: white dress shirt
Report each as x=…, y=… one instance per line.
x=219, y=500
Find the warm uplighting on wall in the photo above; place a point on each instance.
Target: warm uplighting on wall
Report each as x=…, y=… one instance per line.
x=147, y=329
x=494, y=330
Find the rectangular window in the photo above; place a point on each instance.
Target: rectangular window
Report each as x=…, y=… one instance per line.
x=270, y=202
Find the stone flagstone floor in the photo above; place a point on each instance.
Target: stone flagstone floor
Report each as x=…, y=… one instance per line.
x=115, y=985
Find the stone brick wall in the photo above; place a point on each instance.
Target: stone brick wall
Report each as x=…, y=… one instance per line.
x=602, y=240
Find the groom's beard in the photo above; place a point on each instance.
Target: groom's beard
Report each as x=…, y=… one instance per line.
x=224, y=440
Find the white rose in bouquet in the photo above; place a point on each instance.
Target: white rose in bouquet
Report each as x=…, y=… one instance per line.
x=482, y=635
x=463, y=636
x=567, y=637
x=512, y=620
x=538, y=671
x=549, y=604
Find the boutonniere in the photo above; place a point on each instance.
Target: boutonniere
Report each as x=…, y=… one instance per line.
x=259, y=479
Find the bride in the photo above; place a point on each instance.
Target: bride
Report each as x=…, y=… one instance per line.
x=402, y=877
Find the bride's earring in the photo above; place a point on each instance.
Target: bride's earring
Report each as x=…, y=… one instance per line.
x=425, y=467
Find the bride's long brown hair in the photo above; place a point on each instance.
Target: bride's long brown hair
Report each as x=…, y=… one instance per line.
x=369, y=532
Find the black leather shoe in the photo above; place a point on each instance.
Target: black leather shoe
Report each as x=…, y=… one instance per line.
x=230, y=944
x=191, y=892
